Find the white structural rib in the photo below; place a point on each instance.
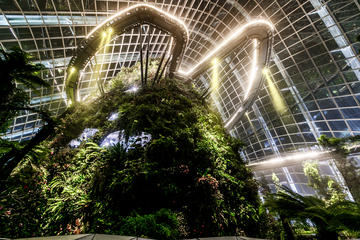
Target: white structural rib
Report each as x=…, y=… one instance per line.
x=126, y=11
x=253, y=28
x=261, y=31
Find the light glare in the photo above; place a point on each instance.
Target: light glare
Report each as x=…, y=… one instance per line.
x=133, y=89
x=215, y=78
x=300, y=156
x=277, y=99
x=215, y=61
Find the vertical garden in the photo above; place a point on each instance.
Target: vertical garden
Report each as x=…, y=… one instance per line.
x=150, y=161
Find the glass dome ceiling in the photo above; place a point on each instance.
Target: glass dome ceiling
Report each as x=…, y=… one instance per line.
x=314, y=66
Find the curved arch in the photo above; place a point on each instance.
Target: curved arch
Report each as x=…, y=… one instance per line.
x=261, y=31
x=121, y=22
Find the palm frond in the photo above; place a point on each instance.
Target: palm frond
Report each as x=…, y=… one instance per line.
x=344, y=215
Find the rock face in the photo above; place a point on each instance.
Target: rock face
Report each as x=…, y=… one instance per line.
x=173, y=172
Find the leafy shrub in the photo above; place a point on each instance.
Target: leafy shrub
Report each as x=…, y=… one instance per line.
x=163, y=224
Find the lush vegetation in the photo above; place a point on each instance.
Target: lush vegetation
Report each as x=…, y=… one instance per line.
x=150, y=158
x=174, y=173
x=327, y=189
x=329, y=219
x=18, y=73
x=340, y=148
x=15, y=69
x=327, y=215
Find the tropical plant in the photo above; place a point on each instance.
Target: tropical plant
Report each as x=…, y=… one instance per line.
x=339, y=149
x=326, y=187
x=23, y=200
x=163, y=224
x=16, y=68
x=10, y=159
x=330, y=220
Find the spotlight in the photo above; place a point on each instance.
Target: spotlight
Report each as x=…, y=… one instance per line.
x=215, y=61
x=133, y=89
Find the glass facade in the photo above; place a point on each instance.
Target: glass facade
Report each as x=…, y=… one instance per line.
x=314, y=67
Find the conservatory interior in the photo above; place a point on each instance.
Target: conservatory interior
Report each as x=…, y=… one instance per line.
x=166, y=119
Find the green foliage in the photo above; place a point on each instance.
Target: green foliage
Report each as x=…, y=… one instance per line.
x=18, y=98
x=329, y=220
x=6, y=146
x=340, y=148
x=334, y=143
x=15, y=68
x=24, y=200
x=18, y=73
x=329, y=190
x=68, y=189
x=163, y=224
x=186, y=181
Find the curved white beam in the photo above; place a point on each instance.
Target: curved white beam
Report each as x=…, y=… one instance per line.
x=261, y=31
x=125, y=11
x=119, y=23
x=250, y=29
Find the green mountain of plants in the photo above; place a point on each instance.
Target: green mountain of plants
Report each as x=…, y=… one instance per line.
x=156, y=162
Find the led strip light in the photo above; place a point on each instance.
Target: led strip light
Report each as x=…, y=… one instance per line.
x=119, y=22
x=260, y=31
x=231, y=38
x=133, y=7
x=254, y=68
x=254, y=29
